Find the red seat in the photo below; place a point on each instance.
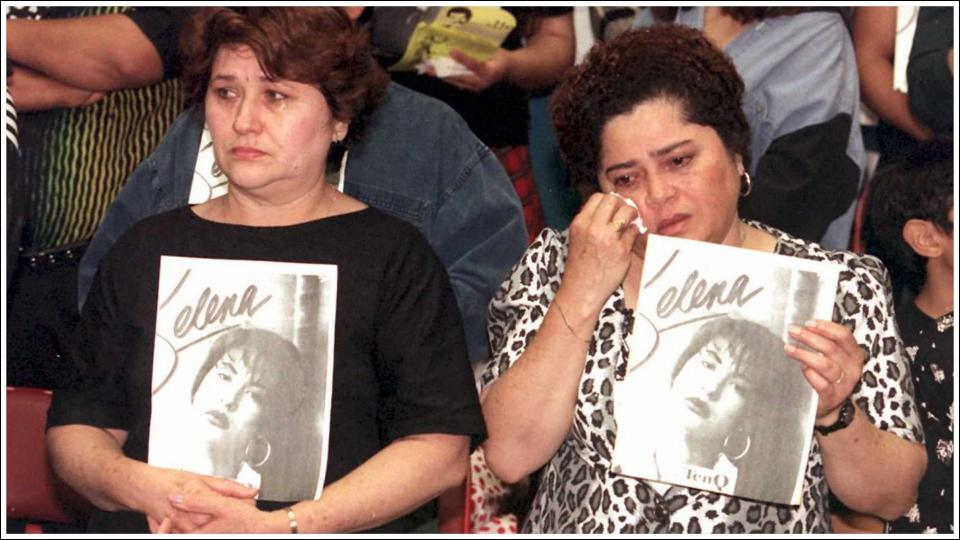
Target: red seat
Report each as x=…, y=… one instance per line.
x=856, y=235
x=453, y=516
x=34, y=493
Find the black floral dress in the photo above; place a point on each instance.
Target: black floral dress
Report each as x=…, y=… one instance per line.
x=929, y=345
x=578, y=491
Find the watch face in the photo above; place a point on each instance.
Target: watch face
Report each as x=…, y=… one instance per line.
x=846, y=414
x=843, y=420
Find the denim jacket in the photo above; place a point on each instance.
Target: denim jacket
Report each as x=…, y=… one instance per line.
x=417, y=161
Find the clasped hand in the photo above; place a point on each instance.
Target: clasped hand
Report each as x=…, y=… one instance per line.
x=185, y=502
x=832, y=366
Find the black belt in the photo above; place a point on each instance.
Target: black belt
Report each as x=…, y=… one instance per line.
x=52, y=258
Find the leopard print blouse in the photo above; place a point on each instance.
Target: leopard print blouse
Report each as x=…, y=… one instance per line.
x=579, y=493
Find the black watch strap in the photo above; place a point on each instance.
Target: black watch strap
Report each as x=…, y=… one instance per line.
x=847, y=413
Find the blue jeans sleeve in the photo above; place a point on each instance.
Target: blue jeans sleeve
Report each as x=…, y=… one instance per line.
x=479, y=234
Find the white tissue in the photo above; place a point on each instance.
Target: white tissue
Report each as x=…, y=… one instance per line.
x=443, y=67
x=629, y=202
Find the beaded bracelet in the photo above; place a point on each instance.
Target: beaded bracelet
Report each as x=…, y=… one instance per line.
x=293, y=520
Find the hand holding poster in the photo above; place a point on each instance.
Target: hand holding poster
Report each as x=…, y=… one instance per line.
x=710, y=400
x=242, y=371
x=426, y=35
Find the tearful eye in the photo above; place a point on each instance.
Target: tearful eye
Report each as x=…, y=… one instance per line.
x=679, y=161
x=273, y=95
x=623, y=180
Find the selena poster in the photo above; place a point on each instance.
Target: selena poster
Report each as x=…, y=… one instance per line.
x=710, y=400
x=242, y=372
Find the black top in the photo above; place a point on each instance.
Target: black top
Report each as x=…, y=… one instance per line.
x=498, y=115
x=928, y=75
x=400, y=362
x=162, y=26
x=929, y=346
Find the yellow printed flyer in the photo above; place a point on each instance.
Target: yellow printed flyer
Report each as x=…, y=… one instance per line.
x=477, y=31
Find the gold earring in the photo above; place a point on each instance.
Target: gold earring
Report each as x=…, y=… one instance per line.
x=746, y=184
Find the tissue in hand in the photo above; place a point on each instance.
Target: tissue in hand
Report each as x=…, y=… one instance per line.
x=629, y=202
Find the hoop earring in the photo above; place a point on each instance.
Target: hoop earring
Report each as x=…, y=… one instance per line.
x=726, y=446
x=745, y=179
x=249, y=455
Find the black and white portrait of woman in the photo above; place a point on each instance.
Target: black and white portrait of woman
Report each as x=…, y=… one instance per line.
x=241, y=372
x=723, y=414
x=731, y=411
x=249, y=399
x=725, y=390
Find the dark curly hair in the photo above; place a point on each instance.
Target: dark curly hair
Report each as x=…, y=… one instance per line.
x=661, y=61
x=313, y=45
x=918, y=187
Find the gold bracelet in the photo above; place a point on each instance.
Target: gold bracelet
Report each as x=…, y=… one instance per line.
x=570, y=328
x=293, y=520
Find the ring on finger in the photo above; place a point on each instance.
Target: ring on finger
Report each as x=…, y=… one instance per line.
x=840, y=378
x=618, y=224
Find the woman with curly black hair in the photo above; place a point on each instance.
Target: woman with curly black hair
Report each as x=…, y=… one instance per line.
x=651, y=124
x=802, y=102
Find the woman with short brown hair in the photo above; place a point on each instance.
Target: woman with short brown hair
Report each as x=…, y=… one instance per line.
x=282, y=89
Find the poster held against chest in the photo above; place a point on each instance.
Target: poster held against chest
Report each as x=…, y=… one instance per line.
x=710, y=400
x=242, y=372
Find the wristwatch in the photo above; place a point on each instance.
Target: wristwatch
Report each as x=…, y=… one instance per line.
x=846, y=417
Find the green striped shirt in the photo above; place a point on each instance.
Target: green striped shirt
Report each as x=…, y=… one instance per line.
x=75, y=161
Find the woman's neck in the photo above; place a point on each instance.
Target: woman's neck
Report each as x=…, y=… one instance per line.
x=684, y=450
x=220, y=462
x=935, y=298
x=742, y=235
x=755, y=239
x=240, y=207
